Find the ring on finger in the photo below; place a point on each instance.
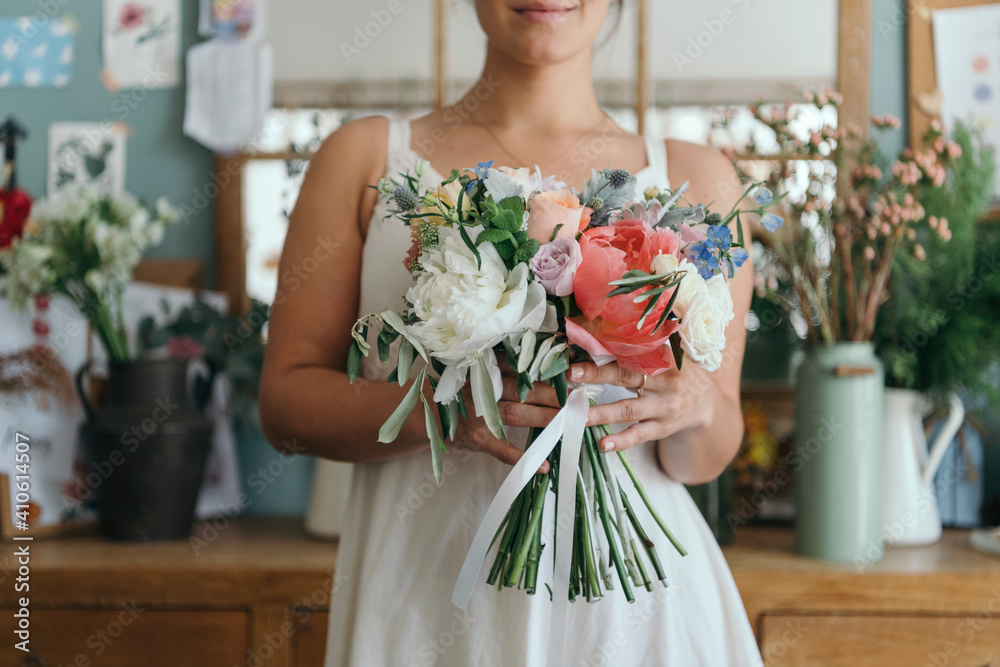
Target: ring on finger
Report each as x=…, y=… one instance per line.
x=640, y=389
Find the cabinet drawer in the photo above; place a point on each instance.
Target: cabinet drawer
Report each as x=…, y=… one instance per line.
x=129, y=636
x=310, y=637
x=802, y=640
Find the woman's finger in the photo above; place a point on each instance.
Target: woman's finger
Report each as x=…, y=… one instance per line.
x=515, y=413
x=509, y=454
x=622, y=412
x=542, y=394
x=632, y=436
x=612, y=373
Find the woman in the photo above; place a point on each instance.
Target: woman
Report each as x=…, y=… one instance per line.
x=405, y=537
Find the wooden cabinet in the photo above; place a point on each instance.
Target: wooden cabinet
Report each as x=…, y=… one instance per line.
x=254, y=592
x=926, y=606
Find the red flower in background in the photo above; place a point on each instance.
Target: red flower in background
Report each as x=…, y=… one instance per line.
x=132, y=16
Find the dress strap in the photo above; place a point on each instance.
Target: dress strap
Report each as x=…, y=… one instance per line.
x=399, y=137
x=656, y=155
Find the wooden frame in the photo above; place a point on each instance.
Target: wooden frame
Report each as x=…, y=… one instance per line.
x=853, y=82
x=924, y=101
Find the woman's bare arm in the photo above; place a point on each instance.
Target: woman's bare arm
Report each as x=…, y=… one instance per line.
x=306, y=402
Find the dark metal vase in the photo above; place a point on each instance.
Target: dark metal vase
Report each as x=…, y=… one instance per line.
x=148, y=446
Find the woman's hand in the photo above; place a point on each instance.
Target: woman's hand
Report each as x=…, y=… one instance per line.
x=538, y=409
x=669, y=403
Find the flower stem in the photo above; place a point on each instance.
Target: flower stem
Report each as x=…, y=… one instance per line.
x=533, y=526
x=604, y=513
x=649, y=505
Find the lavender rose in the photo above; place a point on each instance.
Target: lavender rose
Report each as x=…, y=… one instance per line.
x=555, y=265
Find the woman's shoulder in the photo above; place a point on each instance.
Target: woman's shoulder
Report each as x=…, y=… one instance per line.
x=358, y=138
x=710, y=173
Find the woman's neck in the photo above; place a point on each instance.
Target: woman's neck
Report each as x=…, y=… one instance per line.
x=536, y=100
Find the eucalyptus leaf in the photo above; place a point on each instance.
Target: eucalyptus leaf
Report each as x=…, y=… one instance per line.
x=437, y=444
x=482, y=392
x=536, y=365
x=527, y=351
x=354, y=356
x=404, y=359
x=393, y=319
x=394, y=424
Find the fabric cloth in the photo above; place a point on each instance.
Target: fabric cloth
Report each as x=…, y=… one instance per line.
x=404, y=540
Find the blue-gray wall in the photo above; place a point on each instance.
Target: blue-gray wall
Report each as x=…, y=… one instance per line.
x=160, y=161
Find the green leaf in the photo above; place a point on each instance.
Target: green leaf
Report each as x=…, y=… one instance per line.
x=666, y=310
x=404, y=359
x=675, y=347
x=559, y=365
x=393, y=376
x=555, y=232
x=437, y=444
x=507, y=221
x=526, y=251
x=559, y=383
x=543, y=349
x=494, y=236
x=394, y=424
x=460, y=400
x=515, y=205
x=482, y=390
x=471, y=246
x=527, y=351
x=511, y=354
x=382, y=343
x=506, y=250
x=524, y=386
x=647, y=310
x=393, y=319
x=354, y=357
x=449, y=420
x=739, y=230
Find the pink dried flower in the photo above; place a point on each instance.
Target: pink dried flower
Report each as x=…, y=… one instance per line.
x=869, y=253
x=919, y=253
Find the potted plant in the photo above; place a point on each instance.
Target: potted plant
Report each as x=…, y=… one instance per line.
x=851, y=212
x=937, y=335
x=147, y=442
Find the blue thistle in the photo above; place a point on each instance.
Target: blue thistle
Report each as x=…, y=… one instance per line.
x=619, y=178
x=405, y=198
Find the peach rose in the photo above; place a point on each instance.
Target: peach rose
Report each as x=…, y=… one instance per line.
x=546, y=210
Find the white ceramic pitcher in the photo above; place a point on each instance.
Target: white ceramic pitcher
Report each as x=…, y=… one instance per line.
x=910, y=515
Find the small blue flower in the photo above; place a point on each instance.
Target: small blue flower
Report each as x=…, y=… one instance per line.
x=483, y=168
x=763, y=196
x=739, y=256
x=704, y=259
x=771, y=222
x=718, y=236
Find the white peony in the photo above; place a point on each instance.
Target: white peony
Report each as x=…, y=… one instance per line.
x=465, y=310
x=703, y=327
x=692, y=284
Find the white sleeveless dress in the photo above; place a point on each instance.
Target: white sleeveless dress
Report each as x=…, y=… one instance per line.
x=404, y=540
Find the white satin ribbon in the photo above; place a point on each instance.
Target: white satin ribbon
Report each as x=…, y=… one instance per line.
x=567, y=425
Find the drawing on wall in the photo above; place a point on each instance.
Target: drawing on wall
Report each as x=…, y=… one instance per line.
x=142, y=43
x=230, y=18
x=35, y=53
x=86, y=154
x=967, y=67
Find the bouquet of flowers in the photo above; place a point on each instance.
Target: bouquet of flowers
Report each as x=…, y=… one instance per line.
x=509, y=263
x=85, y=245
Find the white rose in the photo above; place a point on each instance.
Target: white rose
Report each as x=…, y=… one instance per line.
x=703, y=330
x=464, y=309
x=718, y=289
x=692, y=284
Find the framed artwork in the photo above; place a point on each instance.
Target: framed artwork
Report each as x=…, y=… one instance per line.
x=954, y=68
x=86, y=154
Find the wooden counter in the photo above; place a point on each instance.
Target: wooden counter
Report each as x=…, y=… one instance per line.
x=256, y=593
x=936, y=605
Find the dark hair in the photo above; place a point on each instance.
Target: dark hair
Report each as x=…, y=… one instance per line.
x=618, y=7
